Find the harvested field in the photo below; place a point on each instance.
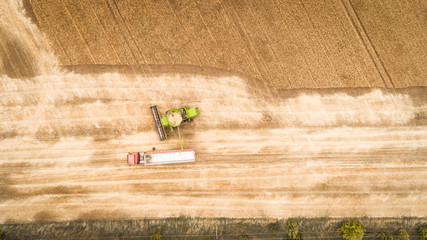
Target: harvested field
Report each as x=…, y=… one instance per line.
x=261, y=151
x=258, y=154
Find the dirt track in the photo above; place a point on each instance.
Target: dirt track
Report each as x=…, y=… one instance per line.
x=261, y=152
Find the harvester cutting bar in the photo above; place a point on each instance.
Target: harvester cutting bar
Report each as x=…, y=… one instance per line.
x=158, y=122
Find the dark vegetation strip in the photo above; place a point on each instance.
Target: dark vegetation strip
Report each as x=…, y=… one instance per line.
x=215, y=228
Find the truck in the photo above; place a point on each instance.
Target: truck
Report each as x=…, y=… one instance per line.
x=162, y=157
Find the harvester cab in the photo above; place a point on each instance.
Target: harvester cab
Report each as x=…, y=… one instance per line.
x=173, y=118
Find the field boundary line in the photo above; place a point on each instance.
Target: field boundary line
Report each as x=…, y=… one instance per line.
x=43, y=17
x=80, y=34
x=367, y=43
x=300, y=53
x=181, y=25
x=132, y=37
x=318, y=39
x=105, y=33
x=125, y=38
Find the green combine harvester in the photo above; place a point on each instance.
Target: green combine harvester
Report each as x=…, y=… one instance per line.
x=174, y=118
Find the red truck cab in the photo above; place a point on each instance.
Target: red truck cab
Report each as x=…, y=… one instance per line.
x=133, y=158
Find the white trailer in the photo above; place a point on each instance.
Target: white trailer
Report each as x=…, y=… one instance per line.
x=162, y=157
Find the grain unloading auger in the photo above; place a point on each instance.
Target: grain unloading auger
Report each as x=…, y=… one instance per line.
x=173, y=118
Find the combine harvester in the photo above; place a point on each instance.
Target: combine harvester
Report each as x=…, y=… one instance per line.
x=173, y=118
